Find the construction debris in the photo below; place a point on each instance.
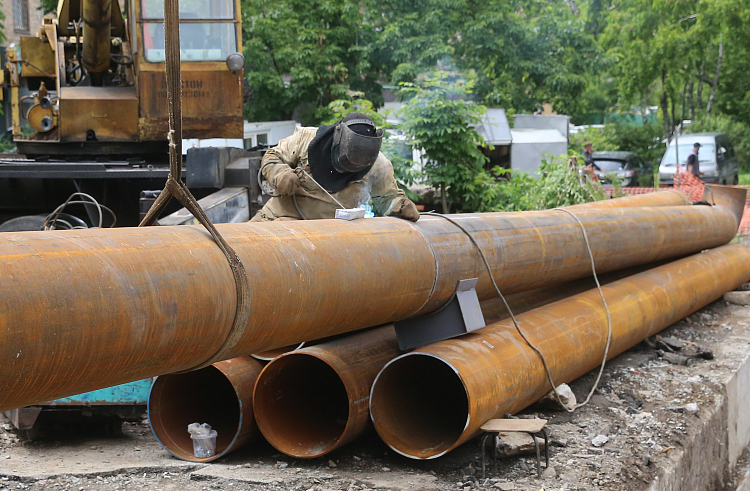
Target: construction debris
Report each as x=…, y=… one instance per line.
x=738, y=298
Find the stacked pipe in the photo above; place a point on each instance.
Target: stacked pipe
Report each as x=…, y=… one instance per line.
x=314, y=400
x=87, y=309
x=428, y=402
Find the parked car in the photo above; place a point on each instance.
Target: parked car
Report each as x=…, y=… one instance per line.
x=717, y=160
x=627, y=167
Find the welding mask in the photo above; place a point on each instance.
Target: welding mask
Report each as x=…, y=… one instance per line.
x=356, y=144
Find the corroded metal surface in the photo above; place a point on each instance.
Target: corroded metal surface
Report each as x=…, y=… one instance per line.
x=220, y=395
x=531, y=249
x=87, y=309
x=428, y=402
x=668, y=197
x=95, y=308
x=311, y=401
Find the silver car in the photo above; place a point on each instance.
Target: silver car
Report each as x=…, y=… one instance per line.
x=717, y=160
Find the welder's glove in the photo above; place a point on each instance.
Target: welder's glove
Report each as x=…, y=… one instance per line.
x=286, y=181
x=404, y=208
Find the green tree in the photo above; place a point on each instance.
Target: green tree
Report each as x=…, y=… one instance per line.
x=440, y=119
x=527, y=52
x=411, y=36
x=304, y=55
x=673, y=52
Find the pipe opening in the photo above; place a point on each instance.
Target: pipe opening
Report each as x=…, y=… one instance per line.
x=419, y=406
x=301, y=405
x=202, y=396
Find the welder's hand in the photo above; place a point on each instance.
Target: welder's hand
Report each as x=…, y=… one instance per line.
x=405, y=209
x=286, y=182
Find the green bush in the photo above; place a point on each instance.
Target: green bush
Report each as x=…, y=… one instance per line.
x=559, y=185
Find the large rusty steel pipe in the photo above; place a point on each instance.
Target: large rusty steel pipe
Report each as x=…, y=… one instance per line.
x=311, y=401
x=427, y=402
x=667, y=197
x=97, y=24
x=220, y=395
x=86, y=309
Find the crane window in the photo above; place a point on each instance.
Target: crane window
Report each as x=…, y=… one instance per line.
x=191, y=9
x=199, y=41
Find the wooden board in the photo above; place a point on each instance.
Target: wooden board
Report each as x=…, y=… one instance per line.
x=514, y=425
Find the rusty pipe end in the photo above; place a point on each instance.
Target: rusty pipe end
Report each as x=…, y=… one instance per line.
x=270, y=354
x=419, y=406
x=302, y=405
x=727, y=196
x=220, y=395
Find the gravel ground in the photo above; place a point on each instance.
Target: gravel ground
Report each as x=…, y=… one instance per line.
x=647, y=407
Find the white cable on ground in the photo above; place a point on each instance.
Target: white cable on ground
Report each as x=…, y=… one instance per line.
x=606, y=308
x=513, y=317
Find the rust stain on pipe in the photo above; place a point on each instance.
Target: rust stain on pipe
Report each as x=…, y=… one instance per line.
x=220, y=395
x=87, y=309
x=428, y=402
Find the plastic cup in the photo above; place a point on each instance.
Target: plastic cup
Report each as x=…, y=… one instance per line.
x=204, y=446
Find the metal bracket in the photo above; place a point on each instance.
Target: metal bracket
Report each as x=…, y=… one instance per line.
x=460, y=315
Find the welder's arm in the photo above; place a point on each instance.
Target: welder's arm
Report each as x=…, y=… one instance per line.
x=387, y=197
x=279, y=162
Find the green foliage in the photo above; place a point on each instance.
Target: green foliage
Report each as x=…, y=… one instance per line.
x=739, y=134
x=353, y=103
x=410, y=36
x=7, y=145
x=48, y=6
x=2, y=27
x=304, y=55
x=562, y=185
x=559, y=184
x=440, y=119
x=527, y=52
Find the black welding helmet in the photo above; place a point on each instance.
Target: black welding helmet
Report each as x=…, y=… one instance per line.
x=356, y=144
x=344, y=152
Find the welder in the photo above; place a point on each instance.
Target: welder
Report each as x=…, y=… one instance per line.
x=317, y=170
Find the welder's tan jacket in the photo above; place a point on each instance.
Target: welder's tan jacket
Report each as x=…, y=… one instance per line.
x=378, y=184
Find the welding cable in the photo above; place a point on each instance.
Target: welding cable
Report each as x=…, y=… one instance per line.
x=294, y=200
x=513, y=317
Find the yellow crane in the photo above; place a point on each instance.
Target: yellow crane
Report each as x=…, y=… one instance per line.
x=92, y=80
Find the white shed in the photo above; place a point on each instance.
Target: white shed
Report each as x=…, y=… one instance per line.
x=531, y=145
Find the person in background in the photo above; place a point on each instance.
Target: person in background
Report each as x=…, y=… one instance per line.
x=693, y=163
x=588, y=155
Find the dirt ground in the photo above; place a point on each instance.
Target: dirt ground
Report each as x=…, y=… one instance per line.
x=647, y=407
